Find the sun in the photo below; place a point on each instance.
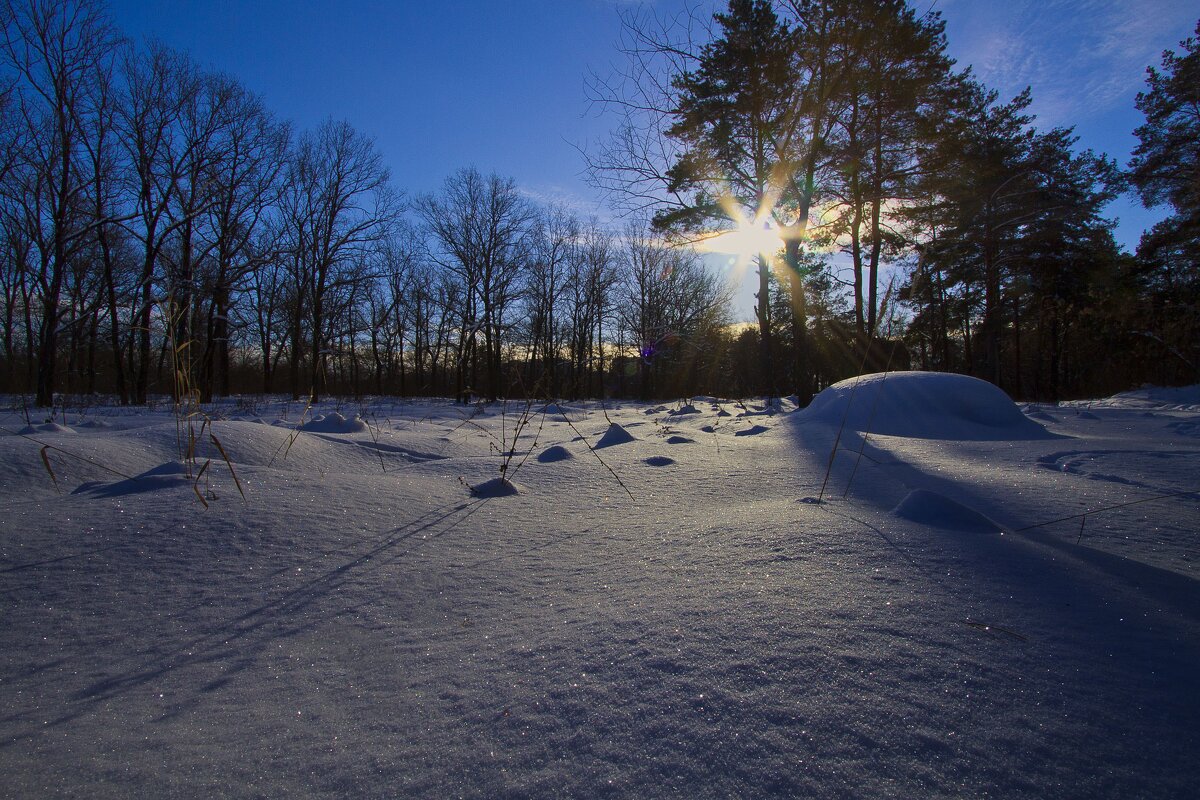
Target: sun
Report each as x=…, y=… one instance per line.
x=751, y=238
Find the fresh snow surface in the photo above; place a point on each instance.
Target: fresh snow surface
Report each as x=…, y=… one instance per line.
x=692, y=614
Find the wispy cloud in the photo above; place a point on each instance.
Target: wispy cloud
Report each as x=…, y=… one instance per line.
x=1082, y=57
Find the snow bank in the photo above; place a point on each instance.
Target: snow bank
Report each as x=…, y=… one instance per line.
x=1172, y=398
x=922, y=405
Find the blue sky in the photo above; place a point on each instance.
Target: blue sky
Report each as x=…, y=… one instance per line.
x=500, y=83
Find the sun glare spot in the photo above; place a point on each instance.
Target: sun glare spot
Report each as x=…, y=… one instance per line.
x=748, y=240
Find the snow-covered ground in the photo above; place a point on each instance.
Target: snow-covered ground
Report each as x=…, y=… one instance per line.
x=690, y=610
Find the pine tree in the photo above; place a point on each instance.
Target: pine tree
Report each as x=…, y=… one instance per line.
x=1166, y=163
x=1165, y=169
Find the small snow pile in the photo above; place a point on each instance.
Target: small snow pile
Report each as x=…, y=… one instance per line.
x=683, y=410
x=939, y=511
x=496, y=487
x=922, y=405
x=553, y=454
x=334, y=423
x=614, y=435
x=659, y=461
x=679, y=440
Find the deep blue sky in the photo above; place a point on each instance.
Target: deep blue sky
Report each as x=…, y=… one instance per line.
x=499, y=83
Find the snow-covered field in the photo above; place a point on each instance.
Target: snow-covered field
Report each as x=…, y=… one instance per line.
x=682, y=612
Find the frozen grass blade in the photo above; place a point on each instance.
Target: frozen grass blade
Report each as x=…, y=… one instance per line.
x=228, y=462
x=196, y=483
x=49, y=469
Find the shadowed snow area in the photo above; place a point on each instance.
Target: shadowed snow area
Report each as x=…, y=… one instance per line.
x=931, y=508
x=165, y=476
x=924, y=405
x=629, y=624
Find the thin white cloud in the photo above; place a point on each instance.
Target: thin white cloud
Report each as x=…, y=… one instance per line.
x=1082, y=57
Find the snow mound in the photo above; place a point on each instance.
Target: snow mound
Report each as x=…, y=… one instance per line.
x=334, y=423
x=614, y=435
x=95, y=424
x=554, y=453
x=679, y=440
x=496, y=487
x=659, y=461
x=923, y=405
x=939, y=511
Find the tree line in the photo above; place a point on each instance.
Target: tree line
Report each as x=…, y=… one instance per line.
x=164, y=232
x=845, y=127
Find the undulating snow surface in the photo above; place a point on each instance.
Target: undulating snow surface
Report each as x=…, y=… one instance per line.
x=709, y=606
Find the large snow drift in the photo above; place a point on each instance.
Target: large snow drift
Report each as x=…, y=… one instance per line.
x=923, y=405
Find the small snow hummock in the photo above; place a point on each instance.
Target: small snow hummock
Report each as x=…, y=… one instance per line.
x=496, y=487
x=554, y=453
x=614, y=435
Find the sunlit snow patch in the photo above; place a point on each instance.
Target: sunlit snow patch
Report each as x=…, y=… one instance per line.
x=939, y=511
x=923, y=405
